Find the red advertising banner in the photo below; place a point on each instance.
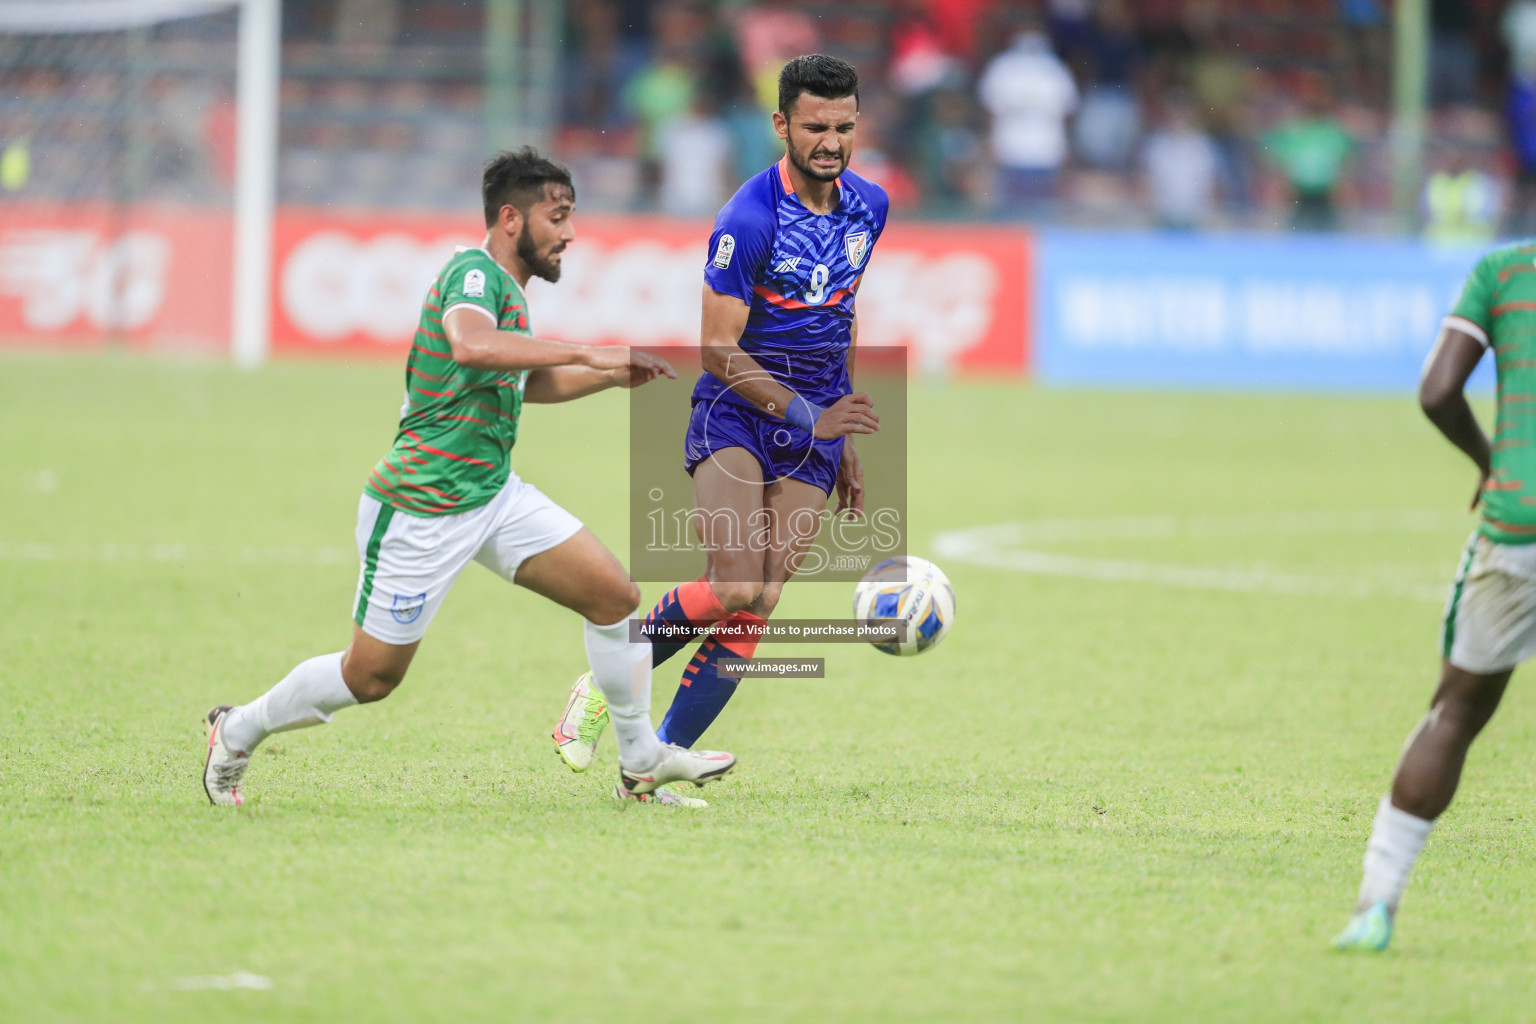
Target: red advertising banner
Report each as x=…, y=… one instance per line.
x=352, y=283
x=957, y=295
x=150, y=277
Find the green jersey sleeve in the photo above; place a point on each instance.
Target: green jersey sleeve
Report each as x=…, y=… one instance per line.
x=1473, y=312
x=472, y=281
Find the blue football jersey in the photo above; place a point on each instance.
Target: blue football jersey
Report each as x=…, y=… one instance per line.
x=797, y=271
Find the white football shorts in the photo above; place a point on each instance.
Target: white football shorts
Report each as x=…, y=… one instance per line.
x=408, y=562
x=1490, y=618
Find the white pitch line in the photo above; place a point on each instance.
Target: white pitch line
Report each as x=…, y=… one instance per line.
x=174, y=553
x=222, y=982
x=1045, y=531
x=996, y=547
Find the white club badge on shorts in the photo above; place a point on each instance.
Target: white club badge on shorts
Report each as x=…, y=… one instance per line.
x=410, y=562
x=474, y=284
x=406, y=608
x=724, y=250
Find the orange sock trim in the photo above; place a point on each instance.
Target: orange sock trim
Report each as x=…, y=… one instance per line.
x=699, y=602
x=740, y=633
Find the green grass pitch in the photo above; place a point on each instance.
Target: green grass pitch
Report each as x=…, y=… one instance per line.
x=1134, y=789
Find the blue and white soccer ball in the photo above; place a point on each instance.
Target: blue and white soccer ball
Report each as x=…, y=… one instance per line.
x=912, y=590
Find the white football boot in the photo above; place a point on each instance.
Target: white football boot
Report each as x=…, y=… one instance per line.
x=225, y=768
x=581, y=725
x=667, y=797
x=677, y=764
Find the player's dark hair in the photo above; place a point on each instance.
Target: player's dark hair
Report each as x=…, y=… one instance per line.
x=517, y=178
x=819, y=75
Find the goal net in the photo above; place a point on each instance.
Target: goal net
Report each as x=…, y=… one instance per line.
x=127, y=174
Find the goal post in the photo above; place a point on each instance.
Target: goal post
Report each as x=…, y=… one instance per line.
x=256, y=104
x=65, y=131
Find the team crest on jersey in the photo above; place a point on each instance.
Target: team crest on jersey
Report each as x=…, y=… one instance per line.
x=474, y=284
x=857, y=245
x=407, y=607
x=724, y=251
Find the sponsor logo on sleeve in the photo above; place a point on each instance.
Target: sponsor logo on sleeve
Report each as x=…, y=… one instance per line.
x=856, y=243
x=724, y=251
x=474, y=284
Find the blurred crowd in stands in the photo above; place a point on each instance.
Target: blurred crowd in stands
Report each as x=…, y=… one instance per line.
x=1181, y=114
x=1186, y=114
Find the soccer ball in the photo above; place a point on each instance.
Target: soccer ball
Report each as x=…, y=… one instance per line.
x=912, y=590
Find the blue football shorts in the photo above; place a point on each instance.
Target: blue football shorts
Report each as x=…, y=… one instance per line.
x=784, y=451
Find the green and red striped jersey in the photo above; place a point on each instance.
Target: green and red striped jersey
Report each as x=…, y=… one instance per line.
x=1498, y=308
x=453, y=451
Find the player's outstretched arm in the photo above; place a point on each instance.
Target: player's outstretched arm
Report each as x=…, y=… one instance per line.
x=725, y=317
x=564, y=383
x=1442, y=395
x=477, y=343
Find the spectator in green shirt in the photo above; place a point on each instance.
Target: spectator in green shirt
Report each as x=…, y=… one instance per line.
x=1311, y=150
x=658, y=96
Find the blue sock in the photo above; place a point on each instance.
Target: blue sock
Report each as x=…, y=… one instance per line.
x=691, y=610
x=704, y=692
x=700, y=698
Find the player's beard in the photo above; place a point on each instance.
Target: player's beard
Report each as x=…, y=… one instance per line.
x=545, y=265
x=803, y=165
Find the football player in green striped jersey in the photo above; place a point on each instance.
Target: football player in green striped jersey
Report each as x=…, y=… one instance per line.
x=445, y=495
x=1489, y=625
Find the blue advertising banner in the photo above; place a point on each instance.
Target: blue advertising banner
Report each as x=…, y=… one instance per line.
x=1285, y=312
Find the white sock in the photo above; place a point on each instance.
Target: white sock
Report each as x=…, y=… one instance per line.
x=1396, y=839
x=622, y=673
x=305, y=697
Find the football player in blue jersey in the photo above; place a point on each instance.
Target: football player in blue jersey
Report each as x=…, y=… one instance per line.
x=769, y=435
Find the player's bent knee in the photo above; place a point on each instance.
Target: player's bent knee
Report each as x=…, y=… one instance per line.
x=369, y=687
x=614, y=606
x=767, y=600
x=375, y=684
x=371, y=678
x=1466, y=702
x=735, y=595
x=1465, y=716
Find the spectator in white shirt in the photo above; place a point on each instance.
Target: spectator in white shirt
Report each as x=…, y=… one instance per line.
x=1180, y=167
x=1518, y=26
x=1030, y=94
x=696, y=161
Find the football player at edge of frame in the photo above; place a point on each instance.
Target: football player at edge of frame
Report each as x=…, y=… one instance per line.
x=770, y=431
x=445, y=495
x=1489, y=625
